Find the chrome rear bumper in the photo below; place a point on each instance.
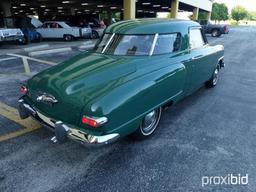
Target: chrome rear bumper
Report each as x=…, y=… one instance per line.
x=63, y=131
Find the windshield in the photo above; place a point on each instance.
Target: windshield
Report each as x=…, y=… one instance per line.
x=118, y=44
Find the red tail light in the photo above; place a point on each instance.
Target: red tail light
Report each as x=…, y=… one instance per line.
x=23, y=89
x=89, y=121
x=94, y=122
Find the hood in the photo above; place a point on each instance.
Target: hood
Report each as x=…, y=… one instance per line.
x=78, y=80
x=35, y=22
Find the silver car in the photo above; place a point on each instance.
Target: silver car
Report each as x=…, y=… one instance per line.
x=60, y=29
x=7, y=34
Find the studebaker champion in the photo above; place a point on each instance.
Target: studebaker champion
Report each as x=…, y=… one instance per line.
x=120, y=88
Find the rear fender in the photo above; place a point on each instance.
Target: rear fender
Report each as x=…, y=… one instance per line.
x=127, y=104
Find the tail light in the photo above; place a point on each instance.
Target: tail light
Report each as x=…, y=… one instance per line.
x=94, y=121
x=23, y=89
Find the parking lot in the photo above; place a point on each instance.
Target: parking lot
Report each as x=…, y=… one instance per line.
x=210, y=133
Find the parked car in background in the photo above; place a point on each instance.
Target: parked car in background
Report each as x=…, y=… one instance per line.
x=98, y=28
x=24, y=24
x=60, y=29
x=97, y=31
x=83, y=27
x=30, y=35
x=29, y=31
x=120, y=88
x=216, y=30
x=8, y=34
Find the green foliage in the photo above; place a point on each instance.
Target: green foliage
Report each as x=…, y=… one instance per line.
x=219, y=12
x=117, y=16
x=251, y=16
x=202, y=15
x=239, y=13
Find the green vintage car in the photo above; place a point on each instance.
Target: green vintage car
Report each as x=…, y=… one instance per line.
x=136, y=69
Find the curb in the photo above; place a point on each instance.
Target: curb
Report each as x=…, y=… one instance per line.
x=86, y=46
x=43, y=52
x=89, y=42
x=37, y=47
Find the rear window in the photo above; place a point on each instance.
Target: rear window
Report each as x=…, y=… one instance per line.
x=131, y=45
x=120, y=44
x=126, y=44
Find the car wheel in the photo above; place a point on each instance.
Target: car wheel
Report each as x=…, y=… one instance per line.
x=95, y=35
x=68, y=37
x=216, y=33
x=148, y=124
x=214, y=79
x=23, y=41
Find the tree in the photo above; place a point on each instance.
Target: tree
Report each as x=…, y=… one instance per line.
x=251, y=16
x=202, y=15
x=238, y=13
x=219, y=12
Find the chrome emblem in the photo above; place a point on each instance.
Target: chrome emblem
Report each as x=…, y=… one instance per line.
x=46, y=98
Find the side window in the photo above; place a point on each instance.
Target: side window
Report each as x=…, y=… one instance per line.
x=167, y=43
x=196, y=38
x=46, y=25
x=55, y=25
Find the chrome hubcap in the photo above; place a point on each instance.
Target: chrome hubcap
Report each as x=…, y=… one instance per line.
x=215, y=76
x=150, y=122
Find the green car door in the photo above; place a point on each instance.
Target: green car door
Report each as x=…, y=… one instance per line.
x=200, y=63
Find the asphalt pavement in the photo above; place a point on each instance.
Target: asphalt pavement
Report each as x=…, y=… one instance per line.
x=208, y=134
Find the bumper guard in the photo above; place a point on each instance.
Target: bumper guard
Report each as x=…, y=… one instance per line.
x=63, y=131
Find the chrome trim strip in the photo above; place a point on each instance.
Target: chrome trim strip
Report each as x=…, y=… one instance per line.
x=153, y=45
x=221, y=58
x=20, y=100
x=29, y=108
x=108, y=43
x=101, y=120
x=91, y=139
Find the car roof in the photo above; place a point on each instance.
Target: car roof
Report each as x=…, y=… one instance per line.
x=151, y=26
x=54, y=22
x=62, y=23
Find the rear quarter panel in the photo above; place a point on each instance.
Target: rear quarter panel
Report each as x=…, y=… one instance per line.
x=72, y=31
x=158, y=80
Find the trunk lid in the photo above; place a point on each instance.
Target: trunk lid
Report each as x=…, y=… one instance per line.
x=76, y=81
